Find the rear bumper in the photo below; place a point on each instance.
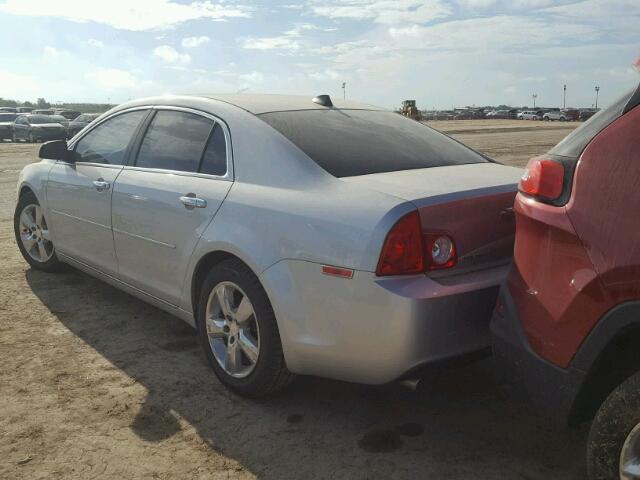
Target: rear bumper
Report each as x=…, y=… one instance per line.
x=547, y=386
x=376, y=330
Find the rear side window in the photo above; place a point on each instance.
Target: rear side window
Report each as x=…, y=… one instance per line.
x=574, y=143
x=359, y=142
x=214, y=160
x=174, y=141
x=107, y=143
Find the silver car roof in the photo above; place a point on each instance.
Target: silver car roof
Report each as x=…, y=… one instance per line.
x=264, y=103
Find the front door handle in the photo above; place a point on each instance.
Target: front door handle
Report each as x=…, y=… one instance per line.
x=190, y=201
x=101, y=185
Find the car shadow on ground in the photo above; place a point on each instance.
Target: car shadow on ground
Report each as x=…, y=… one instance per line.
x=460, y=424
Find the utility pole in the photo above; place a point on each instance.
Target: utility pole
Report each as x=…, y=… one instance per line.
x=344, y=90
x=534, y=96
x=564, y=97
x=597, y=91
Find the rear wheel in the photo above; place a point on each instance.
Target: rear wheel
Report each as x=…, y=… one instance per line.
x=613, y=448
x=33, y=236
x=239, y=333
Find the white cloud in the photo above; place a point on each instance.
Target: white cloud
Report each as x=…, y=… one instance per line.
x=283, y=42
x=327, y=74
x=135, y=15
x=15, y=85
x=171, y=55
x=50, y=52
x=252, y=78
x=193, y=42
x=95, y=43
x=111, y=78
x=384, y=11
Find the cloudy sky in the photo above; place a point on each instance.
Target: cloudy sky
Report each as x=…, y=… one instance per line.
x=440, y=52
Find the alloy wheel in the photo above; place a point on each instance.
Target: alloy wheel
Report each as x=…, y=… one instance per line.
x=34, y=233
x=232, y=328
x=630, y=456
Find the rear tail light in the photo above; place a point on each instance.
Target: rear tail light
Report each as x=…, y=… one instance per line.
x=407, y=250
x=440, y=251
x=542, y=178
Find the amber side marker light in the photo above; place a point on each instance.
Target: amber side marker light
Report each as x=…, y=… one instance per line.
x=542, y=178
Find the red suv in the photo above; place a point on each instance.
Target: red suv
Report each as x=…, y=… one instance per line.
x=567, y=323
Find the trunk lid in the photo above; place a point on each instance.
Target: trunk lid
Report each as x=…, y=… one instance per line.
x=472, y=203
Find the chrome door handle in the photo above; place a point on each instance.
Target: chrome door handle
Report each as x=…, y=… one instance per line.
x=191, y=202
x=101, y=185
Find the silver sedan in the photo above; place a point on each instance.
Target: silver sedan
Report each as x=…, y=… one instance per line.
x=298, y=236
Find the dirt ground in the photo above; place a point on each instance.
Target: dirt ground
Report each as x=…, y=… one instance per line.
x=97, y=384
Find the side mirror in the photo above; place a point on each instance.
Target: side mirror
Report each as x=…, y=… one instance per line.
x=56, y=150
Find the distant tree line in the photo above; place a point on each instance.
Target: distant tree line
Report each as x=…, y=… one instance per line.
x=42, y=103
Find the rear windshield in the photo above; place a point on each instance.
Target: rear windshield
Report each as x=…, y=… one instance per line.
x=7, y=117
x=348, y=143
x=574, y=143
x=40, y=119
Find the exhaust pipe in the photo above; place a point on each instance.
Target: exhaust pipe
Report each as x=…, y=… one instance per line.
x=410, y=383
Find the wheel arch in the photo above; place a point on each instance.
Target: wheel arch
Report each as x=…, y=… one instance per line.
x=609, y=356
x=204, y=265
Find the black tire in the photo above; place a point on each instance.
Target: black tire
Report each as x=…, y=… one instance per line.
x=53, y=264
x=615, y=419
x=270, y=374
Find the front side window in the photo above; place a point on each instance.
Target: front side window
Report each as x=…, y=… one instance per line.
x=174, y=141
x=107, y=143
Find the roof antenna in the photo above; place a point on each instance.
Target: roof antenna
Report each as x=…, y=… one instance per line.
x=324, y=100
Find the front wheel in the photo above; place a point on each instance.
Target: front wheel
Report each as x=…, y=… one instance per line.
x=33, y=236
x=613, y=448
x=239, y=333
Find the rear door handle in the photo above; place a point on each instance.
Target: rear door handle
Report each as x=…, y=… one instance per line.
x=190, y=201
x=101, y=185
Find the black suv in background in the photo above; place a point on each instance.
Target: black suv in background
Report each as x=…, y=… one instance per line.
x=80, y=122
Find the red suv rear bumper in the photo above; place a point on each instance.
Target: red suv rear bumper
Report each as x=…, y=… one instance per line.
x=552, y=388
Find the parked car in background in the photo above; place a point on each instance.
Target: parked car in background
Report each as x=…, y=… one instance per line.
x=61, y=120
x=80, y=122
x=8, y=110
x=554, y=115
x=529, y=115
x=43, y=111
x=567, y=323
x=36, y=128
x=354, y=258
x=571, y=114
x=24, y=109
x=6, y=125
x=586, y=114
x=503, y=114
x=68, y=114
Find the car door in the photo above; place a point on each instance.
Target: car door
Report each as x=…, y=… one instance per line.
x=79, y=193
x=164, y=201
x=20, y=127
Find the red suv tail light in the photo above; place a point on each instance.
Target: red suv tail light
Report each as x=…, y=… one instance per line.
x=407, y=250
x=543, y=178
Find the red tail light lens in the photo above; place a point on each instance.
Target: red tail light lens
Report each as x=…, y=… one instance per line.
x=542, y=178
x=407, y=250
x=402, y=253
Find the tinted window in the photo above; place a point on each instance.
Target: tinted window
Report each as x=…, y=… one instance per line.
x=359, y=142
x=574, y=143
x=7, y=117
x=214, y=160
x=40, y=119
x=174, y=141
x=107, y=143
